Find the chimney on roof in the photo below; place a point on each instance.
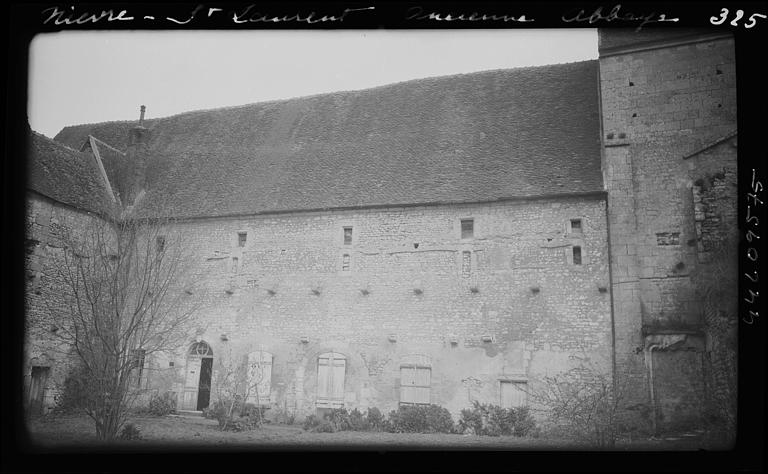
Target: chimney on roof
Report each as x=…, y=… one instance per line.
x=137, y=156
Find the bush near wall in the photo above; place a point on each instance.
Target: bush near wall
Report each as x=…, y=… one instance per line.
x=493, y=420
x=74, y=392
x=159, y=405
x=420, y=419
x=406, y=419
x=341, y=419
x=237, y=417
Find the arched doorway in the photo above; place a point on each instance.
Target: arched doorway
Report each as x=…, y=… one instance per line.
x=197, y=382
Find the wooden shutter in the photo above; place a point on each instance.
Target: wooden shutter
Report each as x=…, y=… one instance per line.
x=415, y=384
x=260, y=377
x=513, y=394
x=331, y=370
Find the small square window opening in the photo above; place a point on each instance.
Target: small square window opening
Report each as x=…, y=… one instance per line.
x=576, y=226
x=347, y=235
x=576, y=255
x=467, y=228
x=241, y=238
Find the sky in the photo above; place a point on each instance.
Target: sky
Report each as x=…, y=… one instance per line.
x=87, y=77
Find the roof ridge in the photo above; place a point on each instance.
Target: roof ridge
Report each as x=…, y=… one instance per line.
x=339, y=92
x=63, y=145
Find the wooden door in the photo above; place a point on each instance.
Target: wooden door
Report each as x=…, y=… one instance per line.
x=191, y=384
x=37, y=389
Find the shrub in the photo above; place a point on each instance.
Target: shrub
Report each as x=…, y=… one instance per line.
x=358, y=421
x=74, y=393
x=216, y=411
x=324, y=426
x=525, y=425
x=339, y=419
x=253, y=410
x=161, y=405
x=420, y=419
x=376, y=420
x=130, y=432
x=310, y=422
x=493, y=420
x=242, y=417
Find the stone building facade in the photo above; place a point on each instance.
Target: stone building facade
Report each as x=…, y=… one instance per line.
x=444, y=240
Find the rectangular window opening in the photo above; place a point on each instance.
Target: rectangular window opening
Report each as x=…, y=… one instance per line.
x=576, y=255
x=137, y=363
x=466, y=264
x=347, y=235
x=576, y=226
x=345, y=262
x=160, y=243
x=513, y=394
x=415, y=384
x=241, y=238
x=467, y=228
x=235, y=263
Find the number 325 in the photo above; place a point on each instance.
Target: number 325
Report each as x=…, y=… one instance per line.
x=739, y=14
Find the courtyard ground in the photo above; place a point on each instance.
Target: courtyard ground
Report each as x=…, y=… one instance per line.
x=69, y=430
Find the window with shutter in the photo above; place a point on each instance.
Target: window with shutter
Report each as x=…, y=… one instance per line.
x=513, y=393
x=415, y=382
x=259, y=377
x=137, y=365
x=331, y=370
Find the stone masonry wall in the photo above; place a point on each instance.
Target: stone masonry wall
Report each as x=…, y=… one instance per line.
x=414, y=288
x=659, y=106
x=47, y=223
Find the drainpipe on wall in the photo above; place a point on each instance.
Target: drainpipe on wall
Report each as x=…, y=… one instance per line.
x=649, y=363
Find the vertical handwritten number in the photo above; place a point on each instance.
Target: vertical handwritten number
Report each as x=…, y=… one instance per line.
x=752, y=22
x=756, y=186
x=755, y=279
x=752, y=316
x=751, y=235
x=750, y=218
x=752, y=254
x=752, y=295
x=739, y=14
x=723, y=16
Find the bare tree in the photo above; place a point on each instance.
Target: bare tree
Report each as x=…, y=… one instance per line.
x=124, y=299
x=236, y=381
x=584, y=401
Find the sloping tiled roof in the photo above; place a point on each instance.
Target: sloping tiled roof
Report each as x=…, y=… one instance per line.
x=473, y=137
x=67, y=176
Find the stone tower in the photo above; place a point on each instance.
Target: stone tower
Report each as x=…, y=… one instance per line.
x=668, y=103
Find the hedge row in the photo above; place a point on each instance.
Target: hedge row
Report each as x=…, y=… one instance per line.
x=481, y=419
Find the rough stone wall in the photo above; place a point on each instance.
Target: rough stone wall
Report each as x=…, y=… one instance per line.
x=47, y=223
x=408, y=291
x=659, y=105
